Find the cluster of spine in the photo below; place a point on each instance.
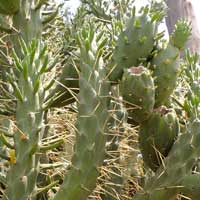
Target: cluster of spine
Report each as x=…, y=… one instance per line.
x=30, y=93
x=89, y=150
x=26, y=21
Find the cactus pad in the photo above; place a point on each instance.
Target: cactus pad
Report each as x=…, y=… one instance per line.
x=137, y=89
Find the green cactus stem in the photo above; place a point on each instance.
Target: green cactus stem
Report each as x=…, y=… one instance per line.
x=175, y=175
x=157, y=135
x=138, y=92
x=112, y=187
x=166, y=63
x=89, y=150
x=29, y=91
x=165, y=67
x=181, y=34
x=135, y=42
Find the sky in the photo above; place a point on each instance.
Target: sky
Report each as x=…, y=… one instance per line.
x=72, y=4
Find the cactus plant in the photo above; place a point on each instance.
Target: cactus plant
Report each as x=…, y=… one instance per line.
x=157, y=135
x=118, y=116
x=30, y=93
x=175, y=175
x=166, y=63
x=172, y=157
x=132, y=44
x=89, y=150
x=138, y=91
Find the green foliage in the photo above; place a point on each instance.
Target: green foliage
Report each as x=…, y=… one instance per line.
x=138, y=91
x=29, y=91
x=9, y=7
x=89, y=150
x=157, y=135
x=107, y=52
x=133, y=44
x=165, y=67
x=181, y=34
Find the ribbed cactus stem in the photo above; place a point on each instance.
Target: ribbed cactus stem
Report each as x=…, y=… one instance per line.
x=22, y=175
x=89, y=150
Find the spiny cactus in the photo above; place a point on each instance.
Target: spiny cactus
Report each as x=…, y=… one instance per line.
x=27, y=21
x=113, y=174
x=138, y=91
x=165, y=67
x=166, y=63
x=157, y=135
x=181, y=34
x=175, y=174
x=133, y=44
x=89, y=150
x=30, y=93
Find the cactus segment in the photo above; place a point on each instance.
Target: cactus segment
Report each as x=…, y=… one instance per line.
x=191, y=186
x=138, y=92
x=89, y=150
x=132, y=44
x=175, y=175
x=27, y=22
x=157, y=135
x=9, y=7
x=181, y=34
x=22, y=175
x=165, y=67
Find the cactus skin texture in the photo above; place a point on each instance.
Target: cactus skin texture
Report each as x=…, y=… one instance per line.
x=175, y=175
x=132, y=44
x=9, y=7
x=29, y=91
x=157, y=135
x=89, y=150
x=138, y=92
x=165, y=67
